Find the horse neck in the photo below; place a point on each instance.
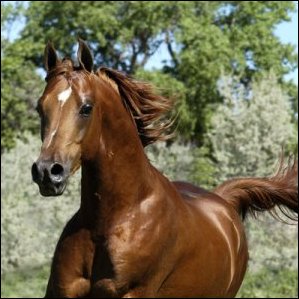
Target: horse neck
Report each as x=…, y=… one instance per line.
x=119, y=175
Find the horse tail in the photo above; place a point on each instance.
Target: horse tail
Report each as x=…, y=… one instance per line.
x=265, y=194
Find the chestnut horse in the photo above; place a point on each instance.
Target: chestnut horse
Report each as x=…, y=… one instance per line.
x=136, y=234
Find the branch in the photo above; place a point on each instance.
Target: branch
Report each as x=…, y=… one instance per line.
x=170, y=49
x=133, y=58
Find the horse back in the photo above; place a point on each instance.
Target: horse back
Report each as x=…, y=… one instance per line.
x=189, y=190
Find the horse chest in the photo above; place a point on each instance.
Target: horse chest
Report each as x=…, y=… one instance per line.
x=117, y=262
x=130, y=248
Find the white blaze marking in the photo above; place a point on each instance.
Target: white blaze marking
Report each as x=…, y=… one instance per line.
x=51, y=137
x=64, y=95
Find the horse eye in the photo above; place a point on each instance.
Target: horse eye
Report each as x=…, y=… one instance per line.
x=85, y=110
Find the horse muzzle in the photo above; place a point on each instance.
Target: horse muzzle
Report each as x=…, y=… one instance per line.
x=50, y=177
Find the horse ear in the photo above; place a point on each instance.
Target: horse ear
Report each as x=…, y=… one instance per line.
x=84, y=56
x=50, y=57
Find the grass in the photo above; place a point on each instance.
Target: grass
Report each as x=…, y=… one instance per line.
x=281, y=283
x=263, y=284
x=29, y=283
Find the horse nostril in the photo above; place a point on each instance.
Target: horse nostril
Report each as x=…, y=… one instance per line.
x=57, y=169
x=34, y=171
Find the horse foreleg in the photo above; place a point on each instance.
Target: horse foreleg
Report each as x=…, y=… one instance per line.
x=79, y=288
x=139, y=292
x=49, y=291
x=104, y=288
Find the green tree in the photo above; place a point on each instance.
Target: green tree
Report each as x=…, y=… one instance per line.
x=231, y=36
x=20, y=84
x=122, y=34
x=249, y=129
x=202, y=38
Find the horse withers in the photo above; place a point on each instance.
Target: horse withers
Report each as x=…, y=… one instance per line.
x=136, y=234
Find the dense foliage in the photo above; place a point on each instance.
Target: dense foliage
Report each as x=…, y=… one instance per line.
x=20, y=84
x=201, y=38
x=249, y=130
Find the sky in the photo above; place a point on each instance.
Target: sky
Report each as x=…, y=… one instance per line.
x=286, y=31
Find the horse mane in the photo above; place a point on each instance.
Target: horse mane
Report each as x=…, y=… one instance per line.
x=145, y=107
